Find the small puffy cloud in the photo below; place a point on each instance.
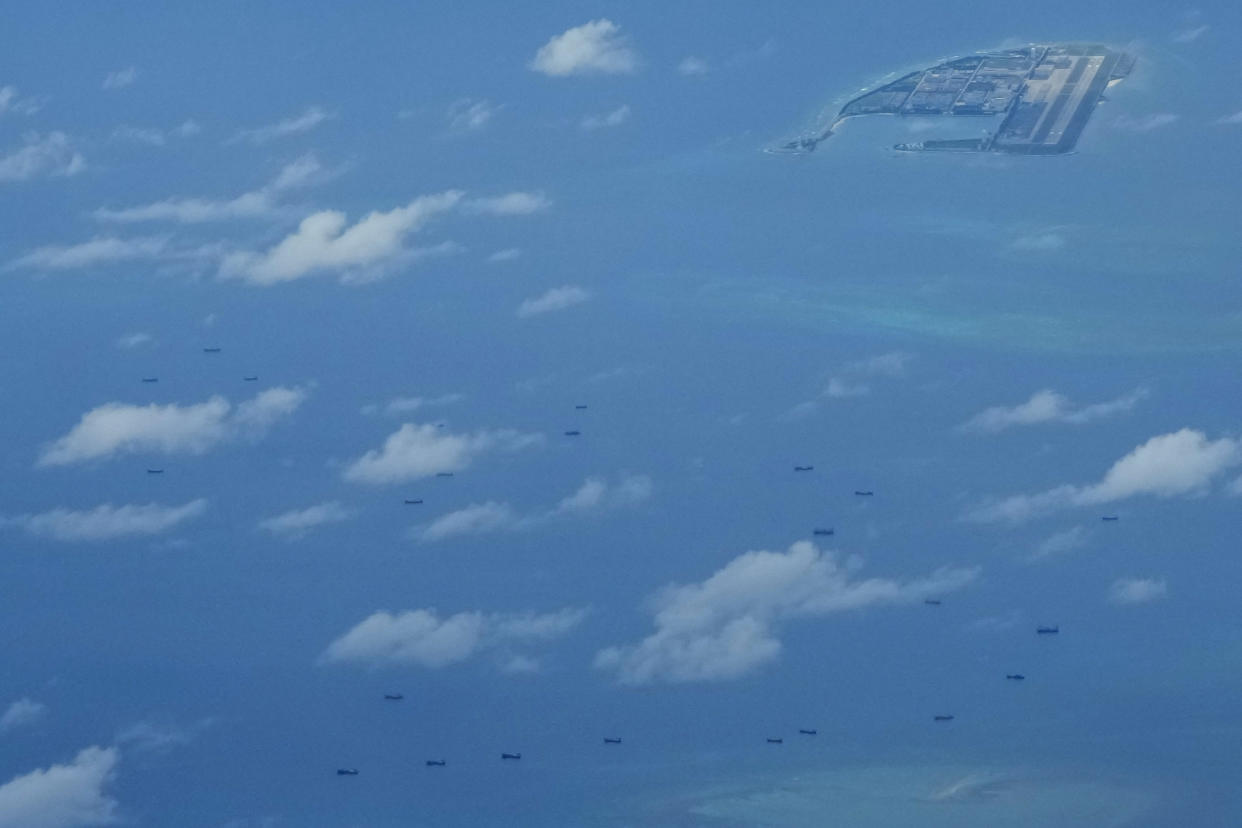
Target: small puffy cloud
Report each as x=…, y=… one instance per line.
x=121, y=428
x=477, y=518
x=555, y=299
x=10, y=101
x=98, y=251
x=298, y=522
x=507, y=255
x=416, y=451
x=839, y=389
x=121, y=78
x=595, y=495
x=22, y=713
x=1179, y=463
x=1191, y=34
x=308, y=120
x=399, y=406
x=134, y=340
x=510, y=204
x=108, y=522
x=260, y=203
x=325, y=241
x=597, y=47
x=691, y=66
x=1045, y=241
x=1145, y=123
x=468, y=115
x=63, y=796
x=50, y=154
x=891, y=364
x=848, y=382
x=159, y=736
x=1235, y=118
x=1059, y=543
x=422, y=638
x=613, y=118
x=728, y=625
x=1047, y=406
x=1136, y=590
x=140, y=135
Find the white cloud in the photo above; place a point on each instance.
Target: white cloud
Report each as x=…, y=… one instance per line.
x=52, y=154
x=1047, y=406
x=468, y=115
x=260, y=203
x=140, y=135
x=613, y=118
x=1145, y=123
x=728, y=625
x=422, y=638
x=63, y=796
x=298, y=522
x=22, y=713
x=1192, y=34
x=891, y=364
x=1182, y=462
x=510, y=204
x=693, y=66
x=477, y=518
x=108, y=522
x=841, y=389
x=97, y=251
x=597, y=47
x=595, y=495
x=10, y=101
x=134, y=340
x=1045, y=241
x=308, y=120
x=121, y=78
x=506, y=255
x=417, y=451
x=159, y=737
x=121, y=428
x=324, y=241
x=407, y=405
x=555, y=299
x=1136, y=590
x=1235, y=118
x=1059, y=543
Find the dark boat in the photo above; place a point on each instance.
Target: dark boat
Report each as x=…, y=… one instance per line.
x=822, y=532
x=810, y=732
x=150, y=379
x=1110, y=518
x=510, y=756
x=250, y=379
x=942, y=718
x=155, y=471
x=410, y=502
x=862, y=493
x=932, y=602
x=346, y=771
x=436, y=763
x=1015, y=676
x=393, y=696
x=777, y=741
x=609, y=740
x=572, y=433
x=1047, y=630
x=211, y=350
x=444, y=474
x=580, y=407
x=804, y=468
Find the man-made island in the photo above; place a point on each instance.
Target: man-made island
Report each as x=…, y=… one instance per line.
x=1045, y=93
